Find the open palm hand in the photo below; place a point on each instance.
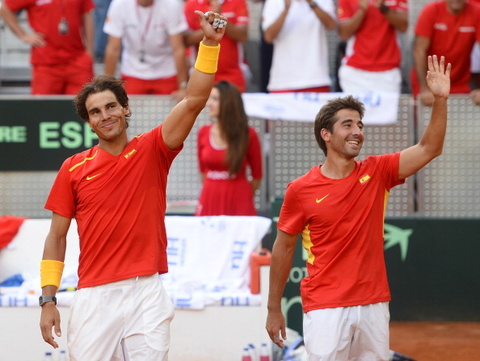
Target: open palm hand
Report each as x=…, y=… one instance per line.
x=438, y=76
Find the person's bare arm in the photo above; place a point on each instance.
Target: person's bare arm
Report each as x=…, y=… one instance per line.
x=54, y=249
x=398, y=19
x=112, y=54
x=34, y=39
x=431, y=143
x=348, y=27
x=255, y=183
x=193, y=37
x=178, y=47
x=272, y=31
x=179, y=122
x=325, y=18
x=237, y=32
x=475, y=93
x=88, y=32
x=420, y=48
x=280, y=265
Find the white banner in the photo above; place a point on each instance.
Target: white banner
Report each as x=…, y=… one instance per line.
x=380, y=108
x=208, y=261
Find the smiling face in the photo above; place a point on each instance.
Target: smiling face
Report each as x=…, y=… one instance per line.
x=106, y=116
x=347, y=137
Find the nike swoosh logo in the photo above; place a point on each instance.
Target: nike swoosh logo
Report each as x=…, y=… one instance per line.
x=93, y=176
x=321, y=199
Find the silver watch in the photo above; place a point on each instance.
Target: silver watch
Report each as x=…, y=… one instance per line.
x=44, y=299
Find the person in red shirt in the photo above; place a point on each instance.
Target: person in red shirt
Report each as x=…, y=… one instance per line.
x=338, y=208
x=231, y=65
x=451, y=28
x=116, y=192
x=225, y=149
x=61, y=41
x=372, y=55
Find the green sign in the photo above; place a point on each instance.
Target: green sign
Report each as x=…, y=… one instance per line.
x=39, y=134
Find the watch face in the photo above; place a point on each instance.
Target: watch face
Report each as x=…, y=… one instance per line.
x=44, y=299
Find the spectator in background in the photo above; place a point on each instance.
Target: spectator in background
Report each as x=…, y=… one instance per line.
x=231, y=64
x=298, y=65
x=449, y=27
x=99, y=16
x=61, y=42
x=225, y=149
x=372, y=55
x=150, y=36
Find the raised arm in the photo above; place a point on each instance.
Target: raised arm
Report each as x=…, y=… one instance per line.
x=431, y=143
x=179, y=122
x=51, y=274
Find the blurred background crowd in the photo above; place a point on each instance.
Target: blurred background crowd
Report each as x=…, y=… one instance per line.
x=53, y=47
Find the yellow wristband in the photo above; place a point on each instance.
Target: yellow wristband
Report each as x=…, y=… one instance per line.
x=207, y=58
x=51, y=273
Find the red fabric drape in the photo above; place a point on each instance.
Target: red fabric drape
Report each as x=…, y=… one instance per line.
x=9, y=226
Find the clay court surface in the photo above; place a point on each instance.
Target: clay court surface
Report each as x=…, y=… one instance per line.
x=436, y=341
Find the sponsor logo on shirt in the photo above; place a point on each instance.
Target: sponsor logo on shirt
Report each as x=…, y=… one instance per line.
x=93, y=176
x=440, y=26
x=318, y=200
x=364, y=179
x=129, y=153
x=466, y=29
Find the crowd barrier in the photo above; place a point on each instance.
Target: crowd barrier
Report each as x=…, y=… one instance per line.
x=38, y=132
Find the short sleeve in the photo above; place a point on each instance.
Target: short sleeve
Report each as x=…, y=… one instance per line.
x=292, y=218
x=114, y=22
x=61, y=199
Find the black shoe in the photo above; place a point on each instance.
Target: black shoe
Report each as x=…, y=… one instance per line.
x=399, y=357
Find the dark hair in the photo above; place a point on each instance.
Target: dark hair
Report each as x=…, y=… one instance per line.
x=98, y=85
x=233, y=123
x=327, y=116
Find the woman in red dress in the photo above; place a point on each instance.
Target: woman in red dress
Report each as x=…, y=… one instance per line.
x=225, y=149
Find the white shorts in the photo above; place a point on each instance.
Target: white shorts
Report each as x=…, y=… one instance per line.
x=353, y=80
x=127, y=320
x=359, y=333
